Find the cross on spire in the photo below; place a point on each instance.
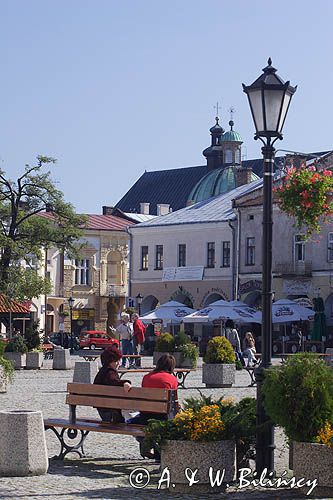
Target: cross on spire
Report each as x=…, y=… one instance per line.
x=231, y=111
x=217, y=109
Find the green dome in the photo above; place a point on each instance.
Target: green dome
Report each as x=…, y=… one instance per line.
x=215, y=182
x=218, y=181
x=231, y=136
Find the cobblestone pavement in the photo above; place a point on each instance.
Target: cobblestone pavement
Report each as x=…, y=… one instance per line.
x=104, y=474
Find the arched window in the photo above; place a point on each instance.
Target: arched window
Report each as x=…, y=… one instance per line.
x=237, y=156
x=228, y=156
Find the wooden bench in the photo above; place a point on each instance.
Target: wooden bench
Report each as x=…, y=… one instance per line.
x=102, y=396
x=180, y=373
x=47, y=351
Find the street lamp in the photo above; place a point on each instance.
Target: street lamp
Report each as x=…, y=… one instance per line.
x=139, y=299
x=269, y=98
x=71, y=304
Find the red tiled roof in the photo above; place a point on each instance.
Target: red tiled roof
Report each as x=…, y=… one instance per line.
x=109, y=222
x=11, y=305
x=100, y=222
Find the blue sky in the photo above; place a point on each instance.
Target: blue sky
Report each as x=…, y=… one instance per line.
x=114, y=87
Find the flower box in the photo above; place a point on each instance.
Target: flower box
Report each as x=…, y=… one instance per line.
x=313, y=461
x=18, y=359
x=34, y=360
x=181, y=362
x=181, y=455
x=218, y=374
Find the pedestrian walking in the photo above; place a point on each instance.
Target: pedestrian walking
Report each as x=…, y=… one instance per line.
x=125, y=331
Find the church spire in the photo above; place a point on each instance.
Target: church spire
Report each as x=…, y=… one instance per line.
x=214, y=152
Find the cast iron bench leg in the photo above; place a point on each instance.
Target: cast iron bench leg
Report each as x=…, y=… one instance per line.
x=181, y=376
x=67, y=448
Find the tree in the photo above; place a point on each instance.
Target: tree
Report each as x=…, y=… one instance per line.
x=33, y=216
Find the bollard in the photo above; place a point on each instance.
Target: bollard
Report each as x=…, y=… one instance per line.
x=61, y=359
x=85, y=372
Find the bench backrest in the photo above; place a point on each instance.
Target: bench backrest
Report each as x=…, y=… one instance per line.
x=138, y=398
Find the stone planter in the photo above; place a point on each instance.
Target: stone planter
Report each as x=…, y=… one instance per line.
x=18, y=359
x=34, y=360
x=218, y=375
x=22, y=444
x=3, y=380
x=313, y=461
x=157, y=355
x=181, y=362
x=180, y=455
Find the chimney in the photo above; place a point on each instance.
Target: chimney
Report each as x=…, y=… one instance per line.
x=243, y=176
x=144, y=208
x=107, y=210
x=163, y=208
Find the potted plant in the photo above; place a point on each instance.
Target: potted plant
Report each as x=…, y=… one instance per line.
x=306, y=195
x=165, y=344
x=180, y=346
x=298, y=396
x=15, y=351
x=6, y=369
x=185, y=353
x=203, y=435
x=34, y=357
x=219, y=369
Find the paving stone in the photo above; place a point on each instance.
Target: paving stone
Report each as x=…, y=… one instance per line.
x=104, y=473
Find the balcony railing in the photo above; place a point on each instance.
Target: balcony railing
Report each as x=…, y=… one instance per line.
x=293, y=268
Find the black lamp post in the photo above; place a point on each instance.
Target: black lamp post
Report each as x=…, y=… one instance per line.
x=139, y=299
x=71, y=304
x=269, y=99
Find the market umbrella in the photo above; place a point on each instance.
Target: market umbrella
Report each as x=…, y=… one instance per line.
x=319, y=326
x=286, y=310
x=170, y=312
x=223, y=310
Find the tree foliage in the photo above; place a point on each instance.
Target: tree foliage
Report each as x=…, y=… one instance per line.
x=33, y=216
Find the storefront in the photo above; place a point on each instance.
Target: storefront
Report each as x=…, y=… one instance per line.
x=83, y=319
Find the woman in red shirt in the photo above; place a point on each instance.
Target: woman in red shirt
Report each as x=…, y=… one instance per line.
x=161, y=377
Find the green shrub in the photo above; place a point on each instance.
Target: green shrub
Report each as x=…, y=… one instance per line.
x=17, y=344
x=32, y=337
x=8, y=368
x=219, y=350
x=298, y=396
x=190, y=351
x=2, y=347
x=165, y=343
x=181, y=339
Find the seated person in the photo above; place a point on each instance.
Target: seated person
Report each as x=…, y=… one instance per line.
x=249, y=349
x=160, y=378
x=108, y=375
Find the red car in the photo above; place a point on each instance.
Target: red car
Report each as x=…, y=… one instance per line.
x=96, y=339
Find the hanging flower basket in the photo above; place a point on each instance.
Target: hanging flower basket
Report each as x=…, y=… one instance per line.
x=307, y=195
